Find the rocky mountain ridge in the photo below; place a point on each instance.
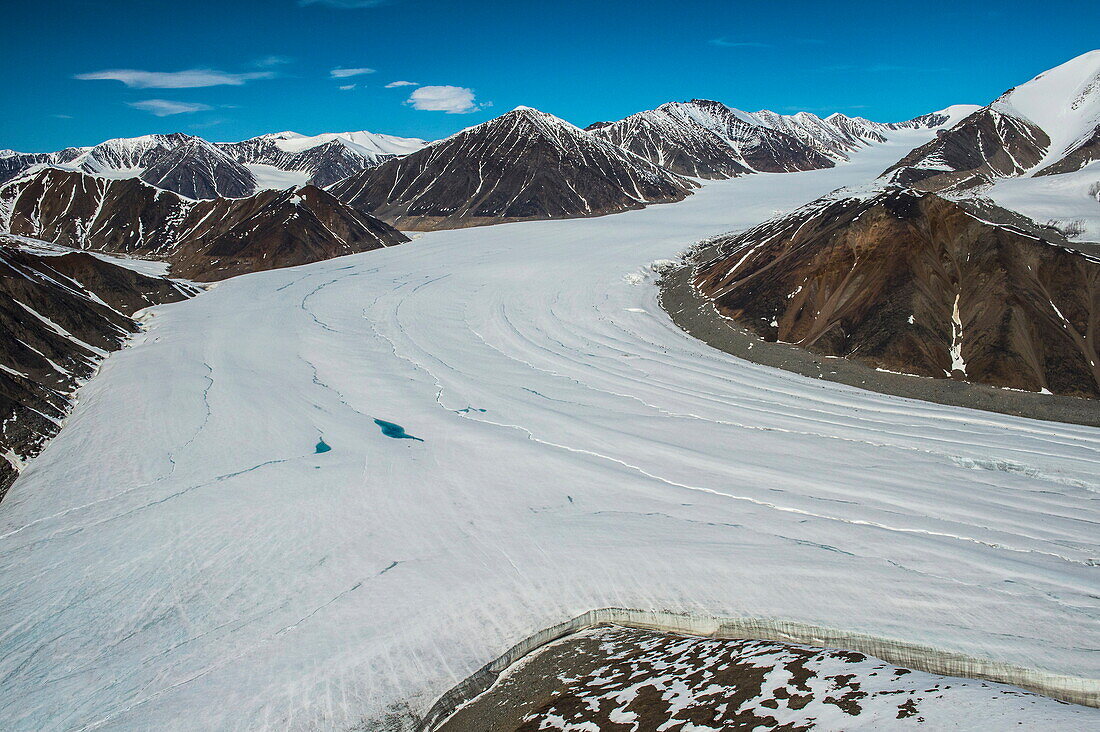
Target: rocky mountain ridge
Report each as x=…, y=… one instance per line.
x=198, y=169
x=707, y=139
x=202, y=240
x=523, y=165
x=1047, y=126
x=61, y=312
x=912, y=282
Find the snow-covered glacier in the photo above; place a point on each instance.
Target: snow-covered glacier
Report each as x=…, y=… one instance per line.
x=186, y=554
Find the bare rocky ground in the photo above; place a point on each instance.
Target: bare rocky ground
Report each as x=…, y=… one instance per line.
x=615, y=679
x=696, y=316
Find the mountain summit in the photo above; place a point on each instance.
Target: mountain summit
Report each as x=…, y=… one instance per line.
x=523, y=165
x=1046, y=126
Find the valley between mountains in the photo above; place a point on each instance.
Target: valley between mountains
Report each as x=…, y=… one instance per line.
x=315, y=455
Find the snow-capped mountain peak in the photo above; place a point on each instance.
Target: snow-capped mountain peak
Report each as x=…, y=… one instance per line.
x=1049, y=125
x=289, y=158
x=368, y=144
x=1064, y=102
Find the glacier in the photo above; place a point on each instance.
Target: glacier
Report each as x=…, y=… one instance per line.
x=182, y=556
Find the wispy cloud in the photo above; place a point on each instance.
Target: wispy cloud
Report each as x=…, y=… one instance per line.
x=61, y=116
x=344, y=4
x=449, y=99
x=268, y=62
x=339, y=73
x=726, y=43
x=347, y=87
x=395, y=84
x=166, y=107
x=188, y=79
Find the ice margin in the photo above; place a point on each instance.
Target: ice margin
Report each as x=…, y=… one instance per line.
x=1073, y=689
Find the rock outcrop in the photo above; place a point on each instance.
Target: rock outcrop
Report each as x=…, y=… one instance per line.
x=912, y=282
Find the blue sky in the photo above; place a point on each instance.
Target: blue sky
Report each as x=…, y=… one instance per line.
x=81, y=71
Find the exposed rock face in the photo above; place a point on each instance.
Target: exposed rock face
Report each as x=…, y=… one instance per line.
x=128, y=154
x=83, y=211
x=183, y=164
x=14, y=164
x=521, y=166
x=59, y=315
x=1047, y=126
x=333, y=161
x=203, y=240
x=709, y=140
x=834, y=137
x=197, y=169
x=919, y=284
x=1086, y=152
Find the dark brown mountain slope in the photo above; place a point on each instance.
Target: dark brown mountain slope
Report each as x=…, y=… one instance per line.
x=273, y=229
x=203, y=240
x=521, y=166
x=916, y=283
x=59, y=316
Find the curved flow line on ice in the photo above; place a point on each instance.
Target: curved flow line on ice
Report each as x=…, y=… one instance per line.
x=959, y=461
x=766, y=504
x=877, y=406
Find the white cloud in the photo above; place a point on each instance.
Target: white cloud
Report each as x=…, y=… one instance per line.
x=449, y=99
x=347, y=87
x=339, y=73
x=188, y=79
x=395, y=84
x=166, y=107
x=344, y=4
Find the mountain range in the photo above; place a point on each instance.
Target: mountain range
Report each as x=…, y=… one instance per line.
x=196, y=168
x=523, y=165
x=932, y=270
x=201, y=240
x=708, y=139
x=939, y=267
x=1047, y=126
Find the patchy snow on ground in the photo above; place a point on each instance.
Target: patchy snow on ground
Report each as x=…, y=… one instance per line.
x=510, y=443
x=652, y=680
